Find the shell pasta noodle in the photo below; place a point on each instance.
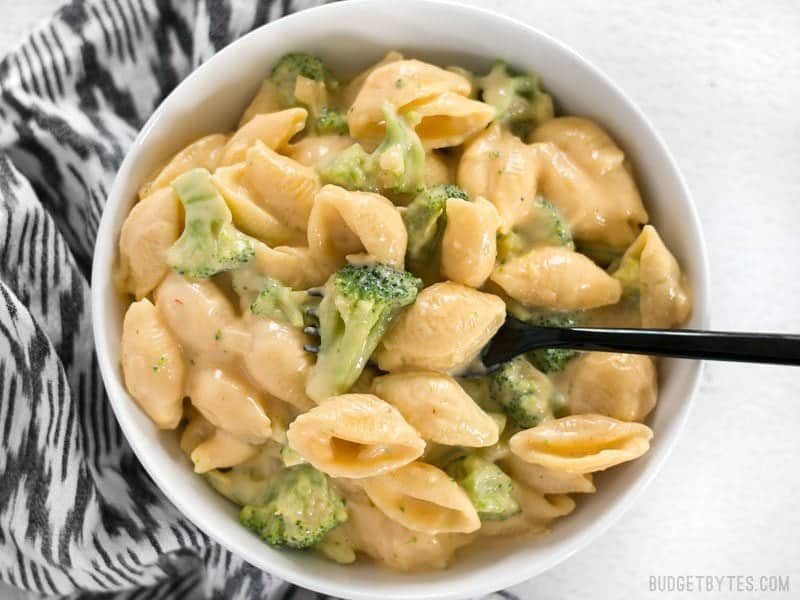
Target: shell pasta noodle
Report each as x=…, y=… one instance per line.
x=305, y=294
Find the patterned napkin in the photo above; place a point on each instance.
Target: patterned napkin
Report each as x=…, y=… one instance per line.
x=78, y=514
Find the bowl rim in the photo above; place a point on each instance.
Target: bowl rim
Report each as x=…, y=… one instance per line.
x=101, y=277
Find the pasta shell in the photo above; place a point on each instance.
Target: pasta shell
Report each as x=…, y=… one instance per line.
x=355, y=226
x=449, y=119
x=437, y=407
x=538, y=512
x=197, y=313
x=354, y=435
x=151, y=227
x=283, y=186
x=249, y=215
x=621, y=386
x=499, y=167
x=584, y=173
x=539, y=508
x=312, y=94
x=469, y=243
x=403, y=84
x=278, y=363
x=444, y=330
x=196, y=430
x=292, y=266
x=312, y=150
x=152, y=365
x=220, y=451
x=581, y=443
x=353, y=88
x=544, y=480
x=395, y=546
x=273, y=129
x=437, y=170
x=423, y=498
x=266, y=100
x=557, y=278
x=204, y=153
x=664, y=298
x=247, y=482
x=229, y=404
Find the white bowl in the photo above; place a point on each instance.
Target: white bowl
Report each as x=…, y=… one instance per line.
x=350, y=36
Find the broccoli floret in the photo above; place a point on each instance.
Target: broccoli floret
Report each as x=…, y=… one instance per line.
x=397, y=165
x=268, y=297
x=358, y=305
x=490, y=490
x=548, y=360
x=400, y=158
x=544, y=226
x=299, y=64
x=209, y=243
x=352, y=169
x=331, y=122
x=299, y=508
x=551, y=360
x=520, y=101
x=280, y=303
x=424, y=219
x=523, y=392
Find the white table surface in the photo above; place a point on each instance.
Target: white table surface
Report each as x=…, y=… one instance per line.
x=721, y=82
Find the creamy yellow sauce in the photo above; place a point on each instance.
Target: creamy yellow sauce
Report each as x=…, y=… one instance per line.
x=234, y=384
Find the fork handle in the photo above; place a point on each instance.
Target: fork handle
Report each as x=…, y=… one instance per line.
x=771, y=348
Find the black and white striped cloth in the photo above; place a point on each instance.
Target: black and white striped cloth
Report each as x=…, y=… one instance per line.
x=78, y=515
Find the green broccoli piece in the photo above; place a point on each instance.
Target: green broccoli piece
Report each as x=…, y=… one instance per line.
x=280, y=303
x=331, y=122
x=298, y=509
x=296, y=64
x=544, y=226
x=425, y=218
x=269, y=298
x=359, y=303
x=490, y=490
x=397, y=165
x=520, y=101
x=523, y=392
x=352, y=169
x=548, y=360
x=400, y=158
x=553, y=360
x=209, y=243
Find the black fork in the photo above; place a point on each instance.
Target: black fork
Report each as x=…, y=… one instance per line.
x=516, y=337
